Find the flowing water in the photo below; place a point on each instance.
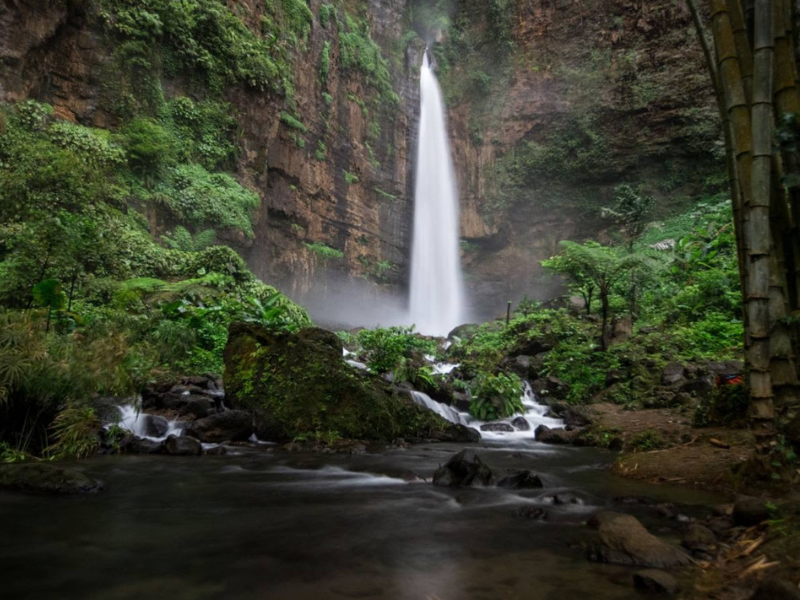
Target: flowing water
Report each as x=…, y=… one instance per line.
x=532, y=416
x=290, y=526
x=437, y=295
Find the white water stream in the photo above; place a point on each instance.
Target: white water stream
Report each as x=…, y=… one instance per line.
x=437, y=295
x=533, y=414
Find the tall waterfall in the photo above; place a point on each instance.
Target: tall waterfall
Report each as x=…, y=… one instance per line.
x=437, y=296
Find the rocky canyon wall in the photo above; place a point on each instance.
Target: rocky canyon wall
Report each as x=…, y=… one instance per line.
x=578, y=100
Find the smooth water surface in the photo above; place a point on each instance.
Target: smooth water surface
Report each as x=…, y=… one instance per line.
x=312, y=527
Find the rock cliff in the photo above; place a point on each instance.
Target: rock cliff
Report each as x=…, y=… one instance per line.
x=576, y=101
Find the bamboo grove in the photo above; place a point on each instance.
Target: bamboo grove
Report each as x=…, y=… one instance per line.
x=753, y=66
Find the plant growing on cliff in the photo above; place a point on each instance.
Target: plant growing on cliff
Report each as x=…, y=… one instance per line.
x=324, y=251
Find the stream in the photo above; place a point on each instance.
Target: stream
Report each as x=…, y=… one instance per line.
x=272, y=524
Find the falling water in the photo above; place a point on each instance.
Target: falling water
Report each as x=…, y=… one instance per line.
x=437, y=297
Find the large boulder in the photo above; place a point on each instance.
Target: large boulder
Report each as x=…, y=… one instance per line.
x=47, y=478
x=182, y=446
x=298, y=384
x=623, y=540
x=465, y=469
x=228, y=426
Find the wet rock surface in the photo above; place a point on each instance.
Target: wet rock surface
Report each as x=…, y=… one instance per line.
x=231, y=425
x=465, y=469
x=553, y=436
x=522, y=480
x=298, y=384
x=623, y=540
x=46, y=478
x=497, y=427
x=182, y=446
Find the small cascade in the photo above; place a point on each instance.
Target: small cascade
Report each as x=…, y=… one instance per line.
x=448, y=413
x=533, y=415
x=147, y=426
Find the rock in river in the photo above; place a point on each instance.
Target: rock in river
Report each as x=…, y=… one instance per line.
x=521, y=480
x=298, y=384
x=228, y=426
x=46, y=477
x=182, y=446
x=623, y=540
x=498, y=427
x=463, y=470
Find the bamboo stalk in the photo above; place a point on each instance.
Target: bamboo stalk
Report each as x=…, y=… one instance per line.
x=730, y=163
x=757, y=231
x=742, y=40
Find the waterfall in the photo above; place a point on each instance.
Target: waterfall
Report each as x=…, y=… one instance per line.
x=437, y=297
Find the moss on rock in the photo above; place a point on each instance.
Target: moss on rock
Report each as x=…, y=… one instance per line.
x=299, y=387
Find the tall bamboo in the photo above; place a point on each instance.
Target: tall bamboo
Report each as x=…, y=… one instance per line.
x=730, y=163
x=743, y=45
x=757, y=230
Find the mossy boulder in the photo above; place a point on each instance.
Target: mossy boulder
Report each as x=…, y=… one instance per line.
x=298, y=386
x=46, y=478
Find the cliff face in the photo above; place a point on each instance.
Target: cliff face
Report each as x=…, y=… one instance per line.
x=588, y=97
x=620, y=85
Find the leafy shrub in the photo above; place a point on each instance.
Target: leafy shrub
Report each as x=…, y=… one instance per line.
x=496, y=396
x=324, y=251
x=385, y=348
x=212, y=198
x=76, y=431
x=646, y=441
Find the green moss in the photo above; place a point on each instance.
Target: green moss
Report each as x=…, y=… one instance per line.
x=300, y=387
x=324, y=251
x=293, y=122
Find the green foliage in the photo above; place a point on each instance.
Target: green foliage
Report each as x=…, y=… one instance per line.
x=350, y=178
x=385, y=195
x=151, y=147
x=326, y=11
x=726, y=406
x=495, y=396
x=359, y=52
x=211, y=198
x=646, y=441
x=182, y=239
x=76, y=432
x=630, y=210
x=322, y=151
x=325, y=62
x=324, y=251
x=293, y=122
x=203, y=36
x=387, y=348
